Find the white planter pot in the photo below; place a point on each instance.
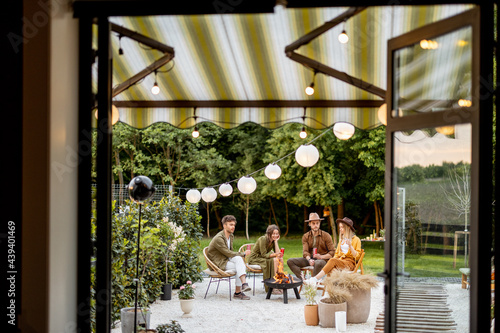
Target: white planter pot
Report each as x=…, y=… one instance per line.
x=187, y=306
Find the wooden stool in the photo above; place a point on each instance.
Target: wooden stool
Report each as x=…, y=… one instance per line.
x=465, y=274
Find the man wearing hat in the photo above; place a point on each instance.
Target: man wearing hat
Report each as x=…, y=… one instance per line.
x=347, y=253
x=313, y=239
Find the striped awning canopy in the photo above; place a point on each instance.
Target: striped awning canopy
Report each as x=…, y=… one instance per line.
x=229, y=69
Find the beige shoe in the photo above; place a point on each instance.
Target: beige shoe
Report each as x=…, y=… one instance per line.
x=245, y=287
x=241, y=296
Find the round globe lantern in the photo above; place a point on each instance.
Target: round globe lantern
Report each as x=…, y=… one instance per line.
x=272, y=171
x=382, y=114
x=208, y=194
x=140, y=189
x=247, y=185
x=343, y=131
x=193, y=196
x=225, y=189
x=307, y=155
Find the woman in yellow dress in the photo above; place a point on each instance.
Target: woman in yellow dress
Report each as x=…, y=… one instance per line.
x=348, y=250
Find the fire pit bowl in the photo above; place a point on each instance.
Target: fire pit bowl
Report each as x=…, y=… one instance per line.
x=272, y=284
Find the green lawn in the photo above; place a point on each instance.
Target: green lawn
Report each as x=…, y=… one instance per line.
x=417, y=265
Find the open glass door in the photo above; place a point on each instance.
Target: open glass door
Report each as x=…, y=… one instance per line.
x=431, y=173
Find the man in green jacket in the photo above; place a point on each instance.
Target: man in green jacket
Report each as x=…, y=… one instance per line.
x=313, y=239
x=220, y=251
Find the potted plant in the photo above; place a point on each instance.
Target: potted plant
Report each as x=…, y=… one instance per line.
x=311, y=307
x=171, y=235
x=186, y=297
x=336, y=300
x=172, y=327
x=359, y=286
x=127, y=316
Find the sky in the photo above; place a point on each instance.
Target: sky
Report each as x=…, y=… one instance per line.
x=419, y=148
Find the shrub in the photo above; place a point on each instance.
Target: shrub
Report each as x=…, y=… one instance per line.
x=184, y=264
x=172, y=327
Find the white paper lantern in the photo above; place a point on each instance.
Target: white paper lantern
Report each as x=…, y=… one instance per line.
x=193, y=196
x=307, y=155
x=382, y=114
x=208, y=194
x=225, y=189
x=343, y=131
x=247, y=185
x=273, y=171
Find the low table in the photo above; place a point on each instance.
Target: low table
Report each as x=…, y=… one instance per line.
x=272, y=284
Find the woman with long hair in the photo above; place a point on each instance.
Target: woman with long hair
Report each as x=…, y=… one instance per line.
x=266, y=253
x=347, y=253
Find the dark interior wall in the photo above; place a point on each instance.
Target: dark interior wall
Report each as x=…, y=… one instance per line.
x=11, y=106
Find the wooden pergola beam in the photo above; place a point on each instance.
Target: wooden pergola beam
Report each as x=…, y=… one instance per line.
x=251, y=104
x=319, y=67
x=145, y=72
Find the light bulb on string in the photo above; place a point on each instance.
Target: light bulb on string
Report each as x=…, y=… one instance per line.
x=195, y=132
x=310, y=89
x=155, y=90
x=303, y=133
x=120, y=50
x=343, y=38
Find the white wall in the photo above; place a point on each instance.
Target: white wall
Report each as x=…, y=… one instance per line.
x=63, y=163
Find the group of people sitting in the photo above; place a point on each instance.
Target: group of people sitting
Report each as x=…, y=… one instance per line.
x=318, y=251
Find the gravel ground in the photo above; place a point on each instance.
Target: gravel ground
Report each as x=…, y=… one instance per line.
x=217, y=313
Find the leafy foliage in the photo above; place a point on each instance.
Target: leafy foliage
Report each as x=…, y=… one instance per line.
x=185, y=264
x=186, y=291
x=172, y=327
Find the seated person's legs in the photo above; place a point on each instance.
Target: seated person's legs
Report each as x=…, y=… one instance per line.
x=237, y=264
x=318, y=266
x=295, y=264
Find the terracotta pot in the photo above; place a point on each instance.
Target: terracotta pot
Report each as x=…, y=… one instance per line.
x=358, y=307
x=311, y=315
x=187, y=306
x=326, y=312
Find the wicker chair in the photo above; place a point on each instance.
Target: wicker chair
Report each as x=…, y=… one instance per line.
x=251, y=268
x=216, y=274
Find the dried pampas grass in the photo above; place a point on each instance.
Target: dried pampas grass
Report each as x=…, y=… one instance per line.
x=336, y=294
x=351, y=281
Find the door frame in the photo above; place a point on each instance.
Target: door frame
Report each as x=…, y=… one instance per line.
x=87, y=11
x=481, y=198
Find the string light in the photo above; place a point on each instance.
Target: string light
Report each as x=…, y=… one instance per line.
x=120, y=50
x=303, y=133
x=195, y=132
x=343, y=38
x=155, y=89
x=343, y=130
x=310, y=89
